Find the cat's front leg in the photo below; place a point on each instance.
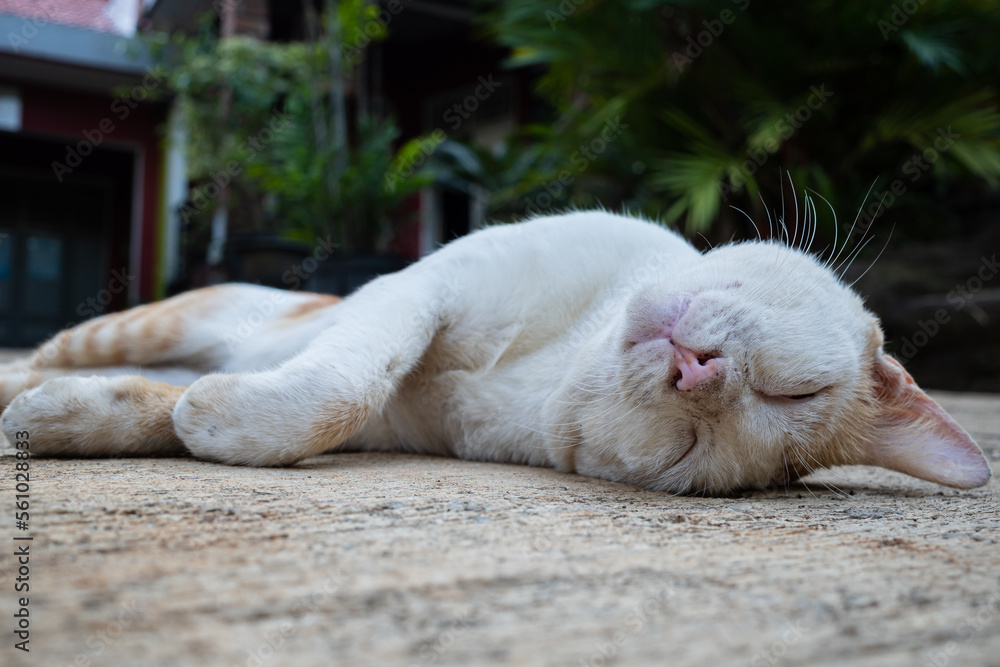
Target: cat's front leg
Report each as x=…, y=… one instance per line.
x=268, y=419
x=324, y=395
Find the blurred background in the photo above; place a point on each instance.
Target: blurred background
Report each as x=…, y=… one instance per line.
x=153, y=146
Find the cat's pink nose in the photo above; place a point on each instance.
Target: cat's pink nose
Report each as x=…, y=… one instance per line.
x=695, y=369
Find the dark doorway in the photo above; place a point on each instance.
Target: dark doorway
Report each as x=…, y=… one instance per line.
x=58, y=240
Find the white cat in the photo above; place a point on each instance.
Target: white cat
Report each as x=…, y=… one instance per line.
x=589, y=342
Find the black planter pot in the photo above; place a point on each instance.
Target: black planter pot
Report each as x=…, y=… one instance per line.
x=342, y=274
x=265, y=259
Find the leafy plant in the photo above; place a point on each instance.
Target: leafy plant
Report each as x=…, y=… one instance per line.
x=726, y=99
x=270, y=138
x=353, y=201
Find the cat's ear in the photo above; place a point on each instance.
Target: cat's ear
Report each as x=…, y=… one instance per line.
x=914, y=435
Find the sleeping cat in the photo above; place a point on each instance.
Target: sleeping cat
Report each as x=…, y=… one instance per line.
x=593, y=343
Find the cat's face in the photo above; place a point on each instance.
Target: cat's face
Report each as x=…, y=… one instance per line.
x=756, y=365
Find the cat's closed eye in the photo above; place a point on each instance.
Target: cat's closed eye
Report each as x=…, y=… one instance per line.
x=791, y=398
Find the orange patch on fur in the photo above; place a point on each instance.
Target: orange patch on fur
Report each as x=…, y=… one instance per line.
x=337, y=422
x=318, y=302
x=153, y=404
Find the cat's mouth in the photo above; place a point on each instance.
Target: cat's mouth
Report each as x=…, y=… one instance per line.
x=690, y=448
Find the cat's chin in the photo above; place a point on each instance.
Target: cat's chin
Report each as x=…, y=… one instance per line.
x=687, y=451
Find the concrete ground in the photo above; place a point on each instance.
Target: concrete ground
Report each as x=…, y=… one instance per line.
x=405, y=560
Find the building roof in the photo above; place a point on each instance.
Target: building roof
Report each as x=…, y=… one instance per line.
x=82, y=44
x=91, y=14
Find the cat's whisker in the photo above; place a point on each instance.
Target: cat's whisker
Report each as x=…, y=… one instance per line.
x=876, y=257
x=747, y=216
x=808, y=472
x=800, y=231
x=854, y=224
x=831, y=486
x=834, y=490
x=776, y=284
x=784, y=460
x=781, y=192
x=599, y=416
x=593, y=390
x=836, y=227
x=846, y=263
x=808, y=221
x=815, y=227
x=767, y=211
x=795, y=199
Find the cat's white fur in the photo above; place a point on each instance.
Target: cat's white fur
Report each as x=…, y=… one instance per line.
x=589, y=342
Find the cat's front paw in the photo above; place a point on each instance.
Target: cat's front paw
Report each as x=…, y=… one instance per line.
x=228, y=418
x=262, y=419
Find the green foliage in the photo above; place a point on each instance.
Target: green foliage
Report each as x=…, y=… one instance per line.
x=265, y=116
x=356, y=200
x=723, y=97
x=509, y=176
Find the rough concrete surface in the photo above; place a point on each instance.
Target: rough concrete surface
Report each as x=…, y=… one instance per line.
x=403, y=560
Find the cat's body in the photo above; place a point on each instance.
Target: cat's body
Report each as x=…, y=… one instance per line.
x=588, y=342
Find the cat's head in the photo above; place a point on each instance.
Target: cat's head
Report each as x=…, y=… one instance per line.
x=755, y=365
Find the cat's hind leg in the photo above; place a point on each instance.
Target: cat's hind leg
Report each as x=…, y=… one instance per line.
x=95, y=416
x=309, y=404
x=176, y=331
x=203, y=330
x=200, y=329
x=360, y=352
x=107, y=387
